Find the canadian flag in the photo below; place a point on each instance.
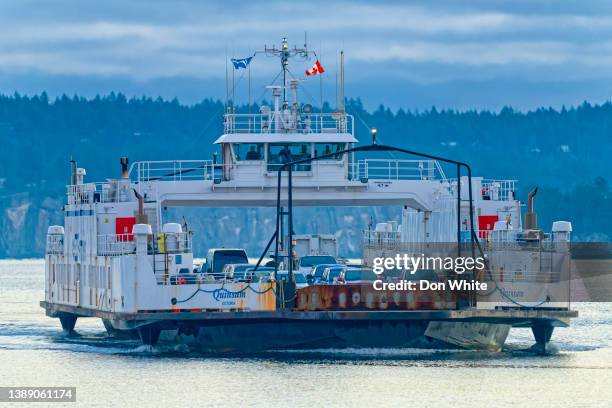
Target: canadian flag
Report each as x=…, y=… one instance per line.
x=317, y=68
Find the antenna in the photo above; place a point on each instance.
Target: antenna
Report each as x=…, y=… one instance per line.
x=285, y=53
x=249, y=97
x=226, y=85
x=73, y=167
x=336, y=82
x=342, y=81
x=321, y=77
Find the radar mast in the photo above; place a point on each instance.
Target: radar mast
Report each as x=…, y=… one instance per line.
x=284, y=53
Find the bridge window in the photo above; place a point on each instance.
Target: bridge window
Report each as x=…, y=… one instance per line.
x=248, y=151
x=328, y=148
x=280, y=153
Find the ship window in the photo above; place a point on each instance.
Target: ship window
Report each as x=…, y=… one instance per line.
x=248, y=151
x=280, y=153
x=328, y=148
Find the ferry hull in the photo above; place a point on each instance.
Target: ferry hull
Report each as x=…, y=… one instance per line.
x=290, y=329
x=336, y=334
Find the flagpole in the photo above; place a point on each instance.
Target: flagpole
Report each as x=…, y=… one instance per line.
x=226, y=84
x=336, y=82
x=249, y=101
x=233, y=89
x=321, y=78
x=342, y=81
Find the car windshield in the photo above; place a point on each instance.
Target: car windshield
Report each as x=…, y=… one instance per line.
x=228, y=256
x=333, y=273
x=359, y=274
x=319, y=269
x=313, y=260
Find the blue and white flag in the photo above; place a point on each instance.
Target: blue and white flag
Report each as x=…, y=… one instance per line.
x=241, y=62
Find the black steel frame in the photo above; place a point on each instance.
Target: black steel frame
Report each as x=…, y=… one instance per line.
x=369, y=148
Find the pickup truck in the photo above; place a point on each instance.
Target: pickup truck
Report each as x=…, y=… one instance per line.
x=217, y=258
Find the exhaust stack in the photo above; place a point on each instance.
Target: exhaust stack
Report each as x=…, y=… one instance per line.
x=124, y=167
x=531, y=218
x=141, y=217
x=73, y=171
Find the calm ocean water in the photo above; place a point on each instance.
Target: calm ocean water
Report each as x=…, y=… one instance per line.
x=108, y=372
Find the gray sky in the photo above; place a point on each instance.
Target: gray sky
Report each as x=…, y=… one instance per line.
x=477, y=54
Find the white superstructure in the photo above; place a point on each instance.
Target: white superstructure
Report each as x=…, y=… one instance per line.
x=115, y=253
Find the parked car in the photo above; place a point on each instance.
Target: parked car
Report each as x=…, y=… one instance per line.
x=300, y=278
x=309, y=261
x=317, y=271
x=262, y=274
x=236, y=271
x=330, y=274
x=356, y=275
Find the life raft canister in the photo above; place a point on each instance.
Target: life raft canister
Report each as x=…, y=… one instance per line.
x=161, y=243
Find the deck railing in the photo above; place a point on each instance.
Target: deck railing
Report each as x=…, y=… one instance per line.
x=55, y=244
x=380, y=237
x=389, y=170
x=524, y=276
x=498, y=189
x=288, y=123
x=375, y=169
x=123, y=244
x=116, y=244
x=175, y=170
x=490, y=240
x=113, y=191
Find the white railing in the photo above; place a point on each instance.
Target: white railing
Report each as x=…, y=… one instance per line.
x=381, y=237
x=116, y=244
x=123, y=244
x=189, y=278
x=55, y=244
x=385, y=169
x=523, y=276
x=175, y=170
x=487, y=238
x=170, y=243
x=288, y=122
x=375, y=169
x=113, y=191
x=81, y=193
x=502, y=190
x=163, y=278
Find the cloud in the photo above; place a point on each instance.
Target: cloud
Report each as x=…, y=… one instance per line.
x=422, y=42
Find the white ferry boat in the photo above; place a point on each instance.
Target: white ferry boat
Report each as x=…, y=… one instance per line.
x=116, y=258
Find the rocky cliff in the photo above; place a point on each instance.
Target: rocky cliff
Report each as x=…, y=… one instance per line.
x=24, y=222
